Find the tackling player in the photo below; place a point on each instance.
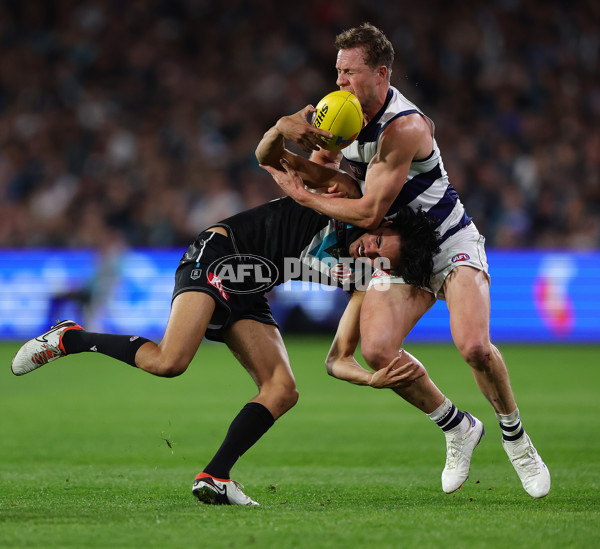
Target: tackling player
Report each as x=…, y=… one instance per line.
x=398, y=163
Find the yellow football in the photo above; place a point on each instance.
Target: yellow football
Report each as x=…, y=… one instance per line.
x=339, y=113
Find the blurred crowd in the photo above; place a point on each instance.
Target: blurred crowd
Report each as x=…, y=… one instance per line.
x=140, y=118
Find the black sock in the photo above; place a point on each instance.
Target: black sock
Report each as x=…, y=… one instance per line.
x=121, y=347
x=253, y=421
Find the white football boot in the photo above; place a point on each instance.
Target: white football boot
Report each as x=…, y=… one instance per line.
x=528, y=464
x=42, y=349
x=216, y=491
x=459, y=449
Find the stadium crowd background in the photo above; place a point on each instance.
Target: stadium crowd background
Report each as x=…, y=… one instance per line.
x=138, y=120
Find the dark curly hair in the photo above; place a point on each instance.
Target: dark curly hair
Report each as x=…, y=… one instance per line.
x=419, y=243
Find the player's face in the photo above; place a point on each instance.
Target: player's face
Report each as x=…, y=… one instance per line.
x=356, y=77
x=382, y=242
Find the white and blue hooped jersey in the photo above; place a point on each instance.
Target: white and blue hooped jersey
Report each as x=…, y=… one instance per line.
x=427, y=184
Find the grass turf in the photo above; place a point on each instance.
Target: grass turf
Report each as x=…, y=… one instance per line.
x=97, y=454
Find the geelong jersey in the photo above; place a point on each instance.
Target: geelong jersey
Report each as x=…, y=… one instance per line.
x=427, y=184
x=303, y=244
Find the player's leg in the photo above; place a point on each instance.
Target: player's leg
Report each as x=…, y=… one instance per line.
x=190, y=315
x=260, y=349
x=468, y=299
x=387, y=316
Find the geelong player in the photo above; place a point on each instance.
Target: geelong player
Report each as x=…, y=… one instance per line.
x=259, y=244
x=397, y=161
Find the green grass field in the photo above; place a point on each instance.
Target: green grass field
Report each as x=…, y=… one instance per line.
x=98, y=454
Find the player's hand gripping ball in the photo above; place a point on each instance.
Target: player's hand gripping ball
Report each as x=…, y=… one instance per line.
x=340, y=114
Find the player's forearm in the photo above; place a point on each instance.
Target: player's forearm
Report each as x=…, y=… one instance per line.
x=270, y=148
x=356, y=212
x=320, y=177
x=347, y=369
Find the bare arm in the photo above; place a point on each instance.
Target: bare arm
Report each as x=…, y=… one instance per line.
x=340, y=361
x=324, y=176
x=402, y=141
x=294, y=128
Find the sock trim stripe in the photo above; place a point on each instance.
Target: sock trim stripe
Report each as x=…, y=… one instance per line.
x=448, y=418
x=513, y=437
x=510, y=428
x=456, y=420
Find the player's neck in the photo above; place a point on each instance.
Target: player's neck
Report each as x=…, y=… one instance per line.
x=371, y=110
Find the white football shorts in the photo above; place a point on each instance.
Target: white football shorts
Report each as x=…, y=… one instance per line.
x=466, y=247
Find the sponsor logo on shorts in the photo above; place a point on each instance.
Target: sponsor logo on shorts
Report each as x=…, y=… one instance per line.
x=216, y=282
x=340, y=271
x=460, y=257
x=195, y=274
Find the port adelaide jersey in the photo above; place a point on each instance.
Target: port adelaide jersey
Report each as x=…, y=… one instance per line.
x=300, y=243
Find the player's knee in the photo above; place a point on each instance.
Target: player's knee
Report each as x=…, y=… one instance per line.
x=173, y=367
x=288, y=396
x=282, y=394
x=376, y=354
x=477, y=354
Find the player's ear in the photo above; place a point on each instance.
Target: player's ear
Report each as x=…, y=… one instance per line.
x=386, y=223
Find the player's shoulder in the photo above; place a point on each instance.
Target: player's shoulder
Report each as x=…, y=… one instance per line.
x=414, y=123
x=407, y=134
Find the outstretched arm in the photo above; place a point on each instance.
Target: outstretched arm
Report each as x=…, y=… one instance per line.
x=341, y=364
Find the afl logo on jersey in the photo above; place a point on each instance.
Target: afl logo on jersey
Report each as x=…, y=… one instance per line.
x=460, y=257
x=340, y=272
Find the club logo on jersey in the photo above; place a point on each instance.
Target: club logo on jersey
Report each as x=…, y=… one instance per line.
x=216, y=282
x=340, y=272
x=245, y=273
x=357, y=169
x=195, y=274
x=460, y=257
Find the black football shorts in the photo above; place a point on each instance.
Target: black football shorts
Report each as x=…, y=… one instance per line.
x=194, y=274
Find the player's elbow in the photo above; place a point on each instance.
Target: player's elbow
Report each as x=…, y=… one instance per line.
x=329, y=361
x=261, y=156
